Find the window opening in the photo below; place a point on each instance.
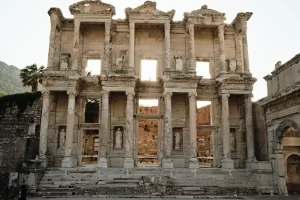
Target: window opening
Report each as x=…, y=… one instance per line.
x=93, y=67
x=148, y=70
x=202, y=69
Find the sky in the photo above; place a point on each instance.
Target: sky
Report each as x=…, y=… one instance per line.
x=273, y=30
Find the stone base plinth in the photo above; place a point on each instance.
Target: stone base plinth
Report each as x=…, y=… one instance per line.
x=227, y=163
x=128, y=163
x=69, y=162
x=194, y=163
x=44, y=161
x=167, y=163
x=103, y=163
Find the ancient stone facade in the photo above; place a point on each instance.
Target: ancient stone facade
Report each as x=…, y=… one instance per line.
x=282, y=106
x=177, y=46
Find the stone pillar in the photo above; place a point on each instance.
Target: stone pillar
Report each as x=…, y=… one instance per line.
x=51, y=52
x=249, y=128
x=106, y=46
x=102, y=161
x=222, y=48
x=128, y=134
x=193, y=162
x=227, y=162
x=239, y=53
x=44, y=127
x=192, y=48
x=131, y=45
x=245, y=54
x=167, y=45
x=69, y=160
x=168, y=132
x=76, y=44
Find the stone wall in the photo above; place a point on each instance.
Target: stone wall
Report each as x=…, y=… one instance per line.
x=260, y=133
x=19, y=138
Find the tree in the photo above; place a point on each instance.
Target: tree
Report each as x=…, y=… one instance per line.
x=2, y=94
x=31, y=76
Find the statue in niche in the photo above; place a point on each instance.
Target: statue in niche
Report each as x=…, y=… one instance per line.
x=177, y=140
x=179, y=63
x=118, y=135
x=62, y=138
x=119, y=59
x=231, y=64
x=64, y=61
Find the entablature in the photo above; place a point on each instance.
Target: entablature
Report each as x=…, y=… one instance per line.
x=95, y=8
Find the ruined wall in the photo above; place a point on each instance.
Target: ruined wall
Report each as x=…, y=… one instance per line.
x=260, y=132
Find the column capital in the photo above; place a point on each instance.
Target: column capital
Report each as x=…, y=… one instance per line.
x=167, y=25
x=192, y=94
x=130, y=93
x=72, y=92
x=107, y=23
x=168, y=94
x=248, y=96
x=221, y=28
x=105, y=92
x=131, y=25
x=225, y=95
x=46, y=92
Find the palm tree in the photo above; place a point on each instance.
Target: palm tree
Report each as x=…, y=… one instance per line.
x=31, y=76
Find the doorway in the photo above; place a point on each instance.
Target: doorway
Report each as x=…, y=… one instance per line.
x=148, y=142
x=90, y=147
x=293, y=174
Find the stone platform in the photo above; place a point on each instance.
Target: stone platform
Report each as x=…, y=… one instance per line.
x=59, y=182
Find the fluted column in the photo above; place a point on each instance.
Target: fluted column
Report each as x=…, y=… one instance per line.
x=245, y=54
x=106, y=46
x=131, y=45
x=76, y=45
x=222, y=48
x=193, y=162
x=249, y=128
x=192, y=47
x=44, y=127
x=69, y=160
x=168, y=133
x=102, y=161
x=167, y=45
x=128, y=161
x=51, y=52
x=227, y=162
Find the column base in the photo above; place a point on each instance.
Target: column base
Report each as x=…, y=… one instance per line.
x=69, y=162
x=44, y=163
x=194, y=163
x=128, y=163
x=227, y=163
x=103, y=163
x=167, y=163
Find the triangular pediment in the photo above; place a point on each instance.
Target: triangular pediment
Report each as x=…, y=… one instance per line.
x=148, y=10
x=94, y=7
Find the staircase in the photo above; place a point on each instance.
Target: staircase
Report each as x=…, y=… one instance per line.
x=144, y=181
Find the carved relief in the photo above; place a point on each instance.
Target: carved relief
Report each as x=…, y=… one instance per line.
x=92, y=7
x=231, y=65
x=64, y=61
x=179, y=63
x=118, y=135
x=61, y=136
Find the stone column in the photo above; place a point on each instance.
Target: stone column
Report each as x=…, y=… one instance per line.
x=193, y=162
x=69, y=160
x=222, y=48
x=168, y=132
x=128, y=134
x=192, y=48
x=76, y=44
x=44, y=127
x=106, y=46
x=51, y=52
x=102, y=161
x=239, y=53
x=249, y=128
x=245, y=54
x=167, y=45
x=131, y=45
x=227, y=162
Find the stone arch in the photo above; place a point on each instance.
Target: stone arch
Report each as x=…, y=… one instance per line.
x=283, y=126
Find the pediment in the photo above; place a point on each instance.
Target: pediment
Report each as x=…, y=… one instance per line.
x=92, y=7
x=148, y=10
x=205, y=14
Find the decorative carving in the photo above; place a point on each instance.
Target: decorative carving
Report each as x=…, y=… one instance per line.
x=240, y=22
x=148, y=9
x=95, y=7
x=118, y=139
x=231, y=65
x=120, y=58
x=64, y=61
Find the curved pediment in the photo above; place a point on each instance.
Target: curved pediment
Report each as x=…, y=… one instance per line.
x=92, y=7
x=149, y=10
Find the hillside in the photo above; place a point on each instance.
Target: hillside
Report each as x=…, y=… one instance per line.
x=10, y=81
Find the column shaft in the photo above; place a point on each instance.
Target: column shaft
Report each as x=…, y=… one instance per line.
x=239, y=53
x=192, y=47
x=245, y=54
x=167, y=45
x=76, y=45
x=106, y=45
x=226, y=130
x=129, y=162
x=131, y=44
x=44, y=125
x=102, y=162
x=193, y=131
x=249, y=128
x=222, y=48
x=51, y=52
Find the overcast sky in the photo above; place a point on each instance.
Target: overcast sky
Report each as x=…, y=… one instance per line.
x=273, y=30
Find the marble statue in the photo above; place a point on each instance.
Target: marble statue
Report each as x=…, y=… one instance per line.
x=118, y=139
x=231, y=65
x=177, y=140
x=179, y=63
x=62, y=138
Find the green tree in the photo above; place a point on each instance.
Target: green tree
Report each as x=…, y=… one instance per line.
x=31, y=76
x=2, y=94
